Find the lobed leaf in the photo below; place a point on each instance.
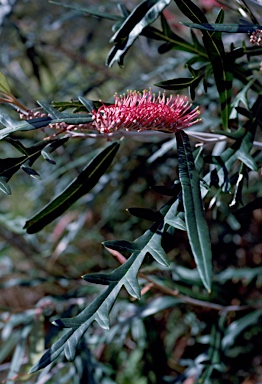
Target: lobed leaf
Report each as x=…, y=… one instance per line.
x=124, y=276
x=122, y=246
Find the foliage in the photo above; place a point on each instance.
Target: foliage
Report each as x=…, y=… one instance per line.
x=180, y=318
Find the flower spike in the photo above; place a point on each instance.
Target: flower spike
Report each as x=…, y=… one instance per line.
x=145, y=111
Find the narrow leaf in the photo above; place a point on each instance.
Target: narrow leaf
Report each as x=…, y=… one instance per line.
x=143, y=15
x=99, y=278
x=228, y=28
x=179, y=83
x=90, y=11
x=238, y=326
x=11, y=125
x=65, y=117
x=52, y=353
x=86, y=180
x=9, y=166
x=122, y=246
x=90, y=106
x=31, y=172
x=4, y=186
x=195, y=222
x=146, y=214
x=48, y=157
x=222, y=64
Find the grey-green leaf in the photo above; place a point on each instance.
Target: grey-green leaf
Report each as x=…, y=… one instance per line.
x=85, y=181
x=196, y=224
x=143, y=15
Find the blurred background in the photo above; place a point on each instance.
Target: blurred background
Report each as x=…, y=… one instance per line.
x=52, y=53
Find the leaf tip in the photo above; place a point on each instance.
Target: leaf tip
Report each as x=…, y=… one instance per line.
x=55, y=322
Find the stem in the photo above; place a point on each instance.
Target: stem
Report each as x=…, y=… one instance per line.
x=192, y=301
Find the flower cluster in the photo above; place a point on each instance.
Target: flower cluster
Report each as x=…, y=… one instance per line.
x=131, y=113
x=137, y=111
x=256, y=37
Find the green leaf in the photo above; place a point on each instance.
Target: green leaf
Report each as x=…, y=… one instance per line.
x=31, y=172
x=99, y=278
x=90, y=11
x=18, y=145
x=48, y=157
x=19, y=353
x=179, y=83
x=122, y=246
x=4, y=85
x=222, y=64
x=241, y=97
x=52, y=353
x=143, y=15
x=65, y=117
x=243, y=74
x=90, y=106
x=228, y=28
x=146, y=214
x=182, y=83
x=240, y=150
x=46, y=152
x=214, y=359
x=238, y=326
x=196, y=225
x=11, y=125
x=9, y=166
x=245, y=274
x=85, y=181
x=190, y=10
x=39, y=122
x=74, y=119
x=177, y=222
x=174, y=218
x=54, y=114
x=222, y=69
x=4, y=186
x=126, y=275
x=172, y=40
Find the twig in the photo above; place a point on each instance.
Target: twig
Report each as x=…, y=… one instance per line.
x=190, y=300
x=201, y=137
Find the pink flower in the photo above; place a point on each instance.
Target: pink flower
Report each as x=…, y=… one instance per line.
x=145, y=111
x=256, y=37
